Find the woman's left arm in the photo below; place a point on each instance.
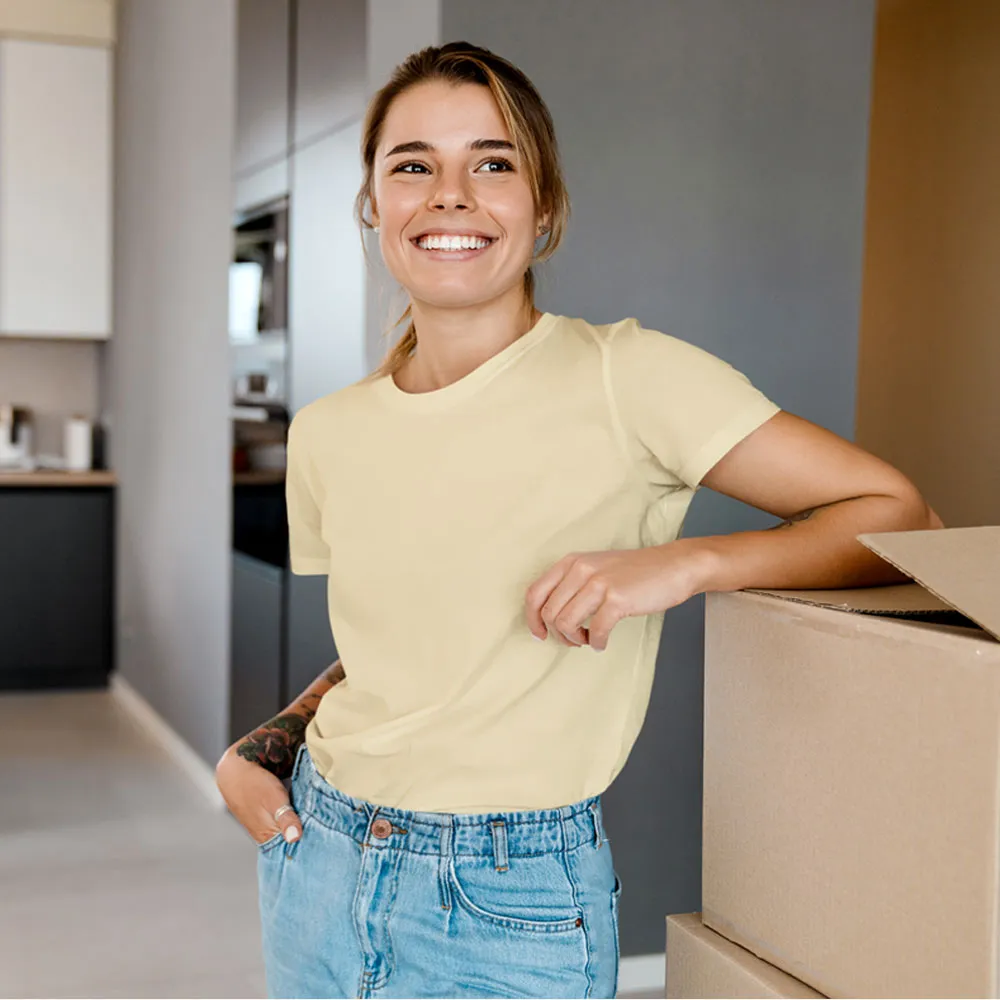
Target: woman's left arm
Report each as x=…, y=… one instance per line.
x=827, y=491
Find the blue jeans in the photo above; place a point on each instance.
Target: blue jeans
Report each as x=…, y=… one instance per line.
x=379, y=902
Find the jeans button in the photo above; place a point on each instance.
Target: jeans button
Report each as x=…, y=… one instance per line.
x=381, y=828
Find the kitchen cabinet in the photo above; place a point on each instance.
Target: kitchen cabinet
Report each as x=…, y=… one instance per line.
x=261, y=145
x=280, y=640
x=330, y=65
x=55, y=189
x=311, y=647
x=326, y=279
x=56, y=586
x=257, y=624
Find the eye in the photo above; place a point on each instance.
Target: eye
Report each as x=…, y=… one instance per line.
x=402, y=167
x=505, y=165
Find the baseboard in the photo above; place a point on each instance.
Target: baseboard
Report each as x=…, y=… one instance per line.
x=643, y=973
x=150, y=722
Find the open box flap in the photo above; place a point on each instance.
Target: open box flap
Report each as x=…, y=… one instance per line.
x=959, y=565
x=956, y=569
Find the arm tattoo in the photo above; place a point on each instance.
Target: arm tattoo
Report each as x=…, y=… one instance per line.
x=275, y=744
x=789, y=521
x=804, y=515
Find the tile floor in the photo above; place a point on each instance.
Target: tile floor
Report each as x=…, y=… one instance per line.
x=117, y=877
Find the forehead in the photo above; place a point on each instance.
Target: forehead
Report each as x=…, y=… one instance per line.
x=442, y=114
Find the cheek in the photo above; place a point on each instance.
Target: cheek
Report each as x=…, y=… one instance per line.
x=516, y=213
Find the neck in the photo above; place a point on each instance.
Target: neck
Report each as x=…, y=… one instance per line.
x=451, y=343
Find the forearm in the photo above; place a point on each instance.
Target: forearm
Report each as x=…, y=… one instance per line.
x=275, y=743
x=815, y=550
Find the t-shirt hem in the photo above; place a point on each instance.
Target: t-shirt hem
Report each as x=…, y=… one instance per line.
x=721, y=443
x=309, y=567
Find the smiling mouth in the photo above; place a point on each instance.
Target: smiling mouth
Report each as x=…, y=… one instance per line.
x=453, y=246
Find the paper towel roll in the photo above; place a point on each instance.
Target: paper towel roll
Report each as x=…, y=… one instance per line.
x=77, y=444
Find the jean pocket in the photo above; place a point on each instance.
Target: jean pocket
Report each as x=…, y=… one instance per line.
x=533, y=894
x=271, y=842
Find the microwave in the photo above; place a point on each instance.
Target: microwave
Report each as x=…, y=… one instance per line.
x=258, y=273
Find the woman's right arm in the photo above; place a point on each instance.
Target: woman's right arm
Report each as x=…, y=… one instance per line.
x=275, y=743
x=250, y=772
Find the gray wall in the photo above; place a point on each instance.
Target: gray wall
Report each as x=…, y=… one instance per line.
x=715, y=152
x=395, y=29
x=167, y=366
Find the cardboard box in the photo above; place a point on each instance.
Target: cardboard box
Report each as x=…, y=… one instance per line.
x=701, y=963
x=852, y=768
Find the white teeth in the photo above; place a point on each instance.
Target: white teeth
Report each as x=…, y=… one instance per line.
x=452, y=243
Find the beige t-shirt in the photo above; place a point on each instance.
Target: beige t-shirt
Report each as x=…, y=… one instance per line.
x=432, y=513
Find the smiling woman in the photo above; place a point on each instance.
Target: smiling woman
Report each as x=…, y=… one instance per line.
x=505, y=475
x=459, y=144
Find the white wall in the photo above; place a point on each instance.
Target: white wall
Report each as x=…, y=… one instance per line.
x=168, y=364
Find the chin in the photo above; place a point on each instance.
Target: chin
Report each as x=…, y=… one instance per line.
x=452, y=298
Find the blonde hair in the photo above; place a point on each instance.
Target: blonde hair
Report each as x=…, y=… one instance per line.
x=530, y=126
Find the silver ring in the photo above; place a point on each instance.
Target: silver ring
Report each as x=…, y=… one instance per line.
x=282, y=809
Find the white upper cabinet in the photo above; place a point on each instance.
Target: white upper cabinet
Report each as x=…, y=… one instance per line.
x=55, y=189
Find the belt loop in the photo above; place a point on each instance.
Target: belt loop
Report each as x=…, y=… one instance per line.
x=446, y=850
x=499, y=829
x=595, y=815
x=297, y=766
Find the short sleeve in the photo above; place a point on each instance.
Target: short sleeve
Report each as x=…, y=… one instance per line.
x=687, y=407
x=308, y=552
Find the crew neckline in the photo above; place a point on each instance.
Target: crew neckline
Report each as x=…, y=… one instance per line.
x=474, y=380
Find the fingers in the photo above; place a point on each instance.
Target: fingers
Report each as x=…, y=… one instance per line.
x=569, y=619
x=538, y=593
x=287, y=822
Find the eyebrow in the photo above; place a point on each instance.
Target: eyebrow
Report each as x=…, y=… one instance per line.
x=419, y=146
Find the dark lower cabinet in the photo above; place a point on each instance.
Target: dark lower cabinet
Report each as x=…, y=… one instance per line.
x=280, y=640
x=257, y=630
x=311, y=647
x=56, y=587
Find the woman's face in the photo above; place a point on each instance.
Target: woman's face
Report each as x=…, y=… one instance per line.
x=445, y=168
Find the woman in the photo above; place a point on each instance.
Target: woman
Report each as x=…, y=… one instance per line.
x=505, y=476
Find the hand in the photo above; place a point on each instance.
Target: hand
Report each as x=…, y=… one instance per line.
x=253, y=795
x=609, y=586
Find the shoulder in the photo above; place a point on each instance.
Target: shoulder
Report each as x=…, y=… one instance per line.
x=322, y=412
x=632, y=345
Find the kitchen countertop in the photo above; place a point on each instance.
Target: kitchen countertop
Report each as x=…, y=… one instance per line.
x=54, y=477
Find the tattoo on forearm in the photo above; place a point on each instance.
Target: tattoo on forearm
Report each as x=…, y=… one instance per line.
x=804, y=515
x=801, y=516
x=275, y=743
x=336, y=673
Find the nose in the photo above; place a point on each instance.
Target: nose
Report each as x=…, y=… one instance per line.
x=453, y=191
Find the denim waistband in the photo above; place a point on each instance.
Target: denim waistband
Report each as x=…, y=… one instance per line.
x=497, y=834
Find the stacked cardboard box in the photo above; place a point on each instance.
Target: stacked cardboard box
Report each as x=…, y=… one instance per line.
x=701, y=963
x=852, y=775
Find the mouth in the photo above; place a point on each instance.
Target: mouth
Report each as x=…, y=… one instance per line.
x=453, y=246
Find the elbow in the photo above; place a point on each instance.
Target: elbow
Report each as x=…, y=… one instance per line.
x=920, y=516
x=934, y=519
x=925, y=517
